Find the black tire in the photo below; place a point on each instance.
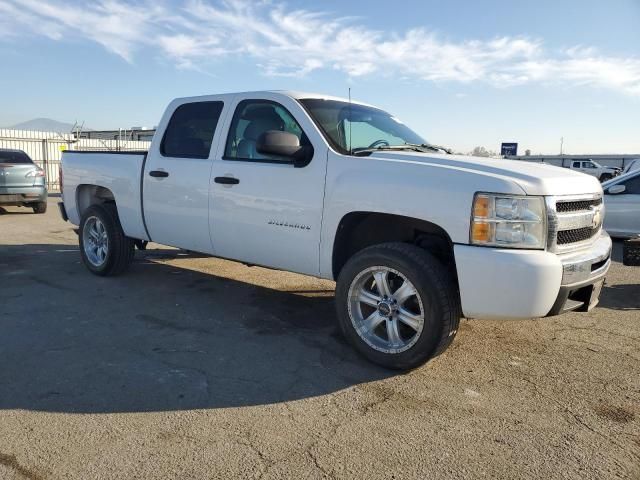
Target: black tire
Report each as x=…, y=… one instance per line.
x=141, y=244
x=40, y=207
x=438, y=292
x=121, y=248
x=605, y=176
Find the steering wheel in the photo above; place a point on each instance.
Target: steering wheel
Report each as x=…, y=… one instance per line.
x=379, y=143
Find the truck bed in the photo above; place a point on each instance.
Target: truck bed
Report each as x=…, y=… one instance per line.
x=119, y=172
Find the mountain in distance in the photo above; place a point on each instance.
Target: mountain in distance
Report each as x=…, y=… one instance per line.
x=44, y=125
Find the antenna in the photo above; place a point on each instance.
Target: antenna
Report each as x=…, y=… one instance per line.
x=350, y=124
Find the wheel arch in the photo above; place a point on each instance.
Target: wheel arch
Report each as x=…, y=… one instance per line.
x=88, y=195
x=359, y=230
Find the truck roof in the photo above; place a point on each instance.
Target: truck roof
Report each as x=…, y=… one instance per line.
x=296, y=95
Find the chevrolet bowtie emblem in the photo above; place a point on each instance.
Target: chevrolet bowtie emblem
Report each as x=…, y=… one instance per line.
x=597, y=217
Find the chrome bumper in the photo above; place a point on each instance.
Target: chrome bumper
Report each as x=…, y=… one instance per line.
x=586, y=265
x=583, y=275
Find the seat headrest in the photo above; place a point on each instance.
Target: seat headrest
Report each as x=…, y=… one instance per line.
x=259, y=126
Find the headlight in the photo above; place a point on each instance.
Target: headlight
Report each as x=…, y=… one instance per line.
x=508, y=221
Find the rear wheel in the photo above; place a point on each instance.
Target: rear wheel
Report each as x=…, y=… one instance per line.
x=40, y=207
x=397, y=305
x=104, y=248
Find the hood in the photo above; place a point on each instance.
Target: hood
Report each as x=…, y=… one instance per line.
x=534, y=178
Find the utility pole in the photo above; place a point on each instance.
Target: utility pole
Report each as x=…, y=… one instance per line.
x=561, y=144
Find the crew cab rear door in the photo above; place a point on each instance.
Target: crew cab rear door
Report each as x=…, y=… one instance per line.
x=177, y=171
x=266, y=210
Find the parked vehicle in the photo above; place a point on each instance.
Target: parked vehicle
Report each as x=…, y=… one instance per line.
x=22, y=182
x=631, y=252
x=622, y=204
x=414, y=237
x=595, y=169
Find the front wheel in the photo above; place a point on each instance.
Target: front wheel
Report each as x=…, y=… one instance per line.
x=605, y=176
x=397, y=305
x=104, y=248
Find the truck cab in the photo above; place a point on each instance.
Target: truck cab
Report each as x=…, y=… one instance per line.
x=414, y=236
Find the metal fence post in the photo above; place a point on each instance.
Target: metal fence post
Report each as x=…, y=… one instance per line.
x=45, y=157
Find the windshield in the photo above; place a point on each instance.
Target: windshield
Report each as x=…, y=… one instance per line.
x=13, y=156
x=351, y=127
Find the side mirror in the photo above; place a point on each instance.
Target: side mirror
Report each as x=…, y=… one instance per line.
x=616, y=189
x=284, y=144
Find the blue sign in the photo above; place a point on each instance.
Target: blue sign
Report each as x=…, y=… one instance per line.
x=509, y=149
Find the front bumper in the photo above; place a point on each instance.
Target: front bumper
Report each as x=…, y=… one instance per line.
x=505, y=283
x=582, y=277
x=22, y=195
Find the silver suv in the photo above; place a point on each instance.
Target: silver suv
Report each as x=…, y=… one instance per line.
x=22, y=182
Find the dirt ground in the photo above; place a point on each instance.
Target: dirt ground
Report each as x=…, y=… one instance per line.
x=193, y=367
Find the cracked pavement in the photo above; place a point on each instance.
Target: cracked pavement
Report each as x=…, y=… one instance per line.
x=194, y=367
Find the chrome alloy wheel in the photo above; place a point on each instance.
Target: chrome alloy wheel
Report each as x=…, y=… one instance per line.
x=95, y=241
x=385, y=309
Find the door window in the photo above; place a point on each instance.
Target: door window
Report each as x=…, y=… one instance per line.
x=632, y=186
x=189, y=133
x=251, y=119
x=576, y=164
x=588, y=165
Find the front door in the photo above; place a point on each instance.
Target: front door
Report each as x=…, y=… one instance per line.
x=176, y=177
x=264, y=209
x=622, y=210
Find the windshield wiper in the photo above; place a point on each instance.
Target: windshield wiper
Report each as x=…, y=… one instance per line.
x=430, y=146
x=416, y=147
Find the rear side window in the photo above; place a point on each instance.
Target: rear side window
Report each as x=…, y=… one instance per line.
x=13, y=156
x=576, y=164
x=189, y=133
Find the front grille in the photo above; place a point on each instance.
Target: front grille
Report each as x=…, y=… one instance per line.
x=576, y=206
x=576, y=235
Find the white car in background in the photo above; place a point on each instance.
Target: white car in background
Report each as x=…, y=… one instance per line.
x=622, y=205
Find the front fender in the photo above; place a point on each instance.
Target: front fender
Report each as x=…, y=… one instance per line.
x=431, y=193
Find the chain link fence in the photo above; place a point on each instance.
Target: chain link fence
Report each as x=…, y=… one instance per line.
x=45, y=148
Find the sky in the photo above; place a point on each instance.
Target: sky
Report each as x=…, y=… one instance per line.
x=460, y=73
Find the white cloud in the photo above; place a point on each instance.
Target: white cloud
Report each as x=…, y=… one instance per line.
x=288, y=42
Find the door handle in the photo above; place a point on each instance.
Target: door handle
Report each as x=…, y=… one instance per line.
x=226, y=180
x=158, y=173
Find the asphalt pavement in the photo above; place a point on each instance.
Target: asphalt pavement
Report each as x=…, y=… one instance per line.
x=194, y=367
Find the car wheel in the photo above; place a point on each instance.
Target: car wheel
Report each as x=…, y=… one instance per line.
x=397, y=305
x=605, y=176
x=104, y=248
x=40, y=207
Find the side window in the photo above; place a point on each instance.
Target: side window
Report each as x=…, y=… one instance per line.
x=576, y=164
x=589, y=165
x=251, y=119
x=189, y=133
x=633, y=185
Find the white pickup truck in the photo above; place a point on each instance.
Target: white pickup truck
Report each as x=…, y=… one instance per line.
x=415, y=237
x=594, y=169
